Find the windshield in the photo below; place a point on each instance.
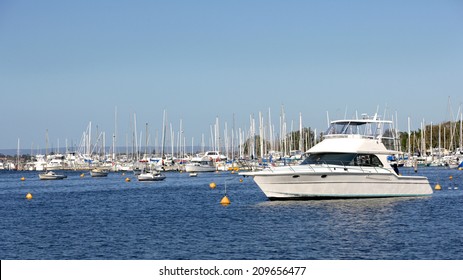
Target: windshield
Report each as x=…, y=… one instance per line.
x=368, y=129
x=382, y=130
x=344, y=159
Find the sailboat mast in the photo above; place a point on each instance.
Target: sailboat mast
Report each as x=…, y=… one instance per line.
x=301, y=136
x=163, y=134
x=146, y=138
x=409, y=136
x=115, y=133
x=225, y=133
x=233, y=140
x=89, y=138
x=439, y=142
x=17, y=164
x=172, y=140
x=261, y=134
x=461, y=130
x=270, y=134
x=46, y=143
x=430, y=143
x=217, y=134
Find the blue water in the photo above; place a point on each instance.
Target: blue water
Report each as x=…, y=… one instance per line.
x=181, y=218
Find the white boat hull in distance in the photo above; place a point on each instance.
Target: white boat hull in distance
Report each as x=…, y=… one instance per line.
x=151, y=177
x=332, y=185
x=99, y=173
x=192, y=167
x=51, y=176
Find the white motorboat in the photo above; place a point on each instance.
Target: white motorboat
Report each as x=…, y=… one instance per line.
x=137, y=171
x=200, y=164
x=55, y=162
x=50, y=175
x=151, y=176
x=351, y=162
x=215, y=156
x=99, y=172
x=40, y=163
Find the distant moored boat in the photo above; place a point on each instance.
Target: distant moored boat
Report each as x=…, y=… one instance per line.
x=50, y=175
x=99, y=172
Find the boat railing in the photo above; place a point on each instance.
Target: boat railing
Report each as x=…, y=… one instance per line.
x=333, y=167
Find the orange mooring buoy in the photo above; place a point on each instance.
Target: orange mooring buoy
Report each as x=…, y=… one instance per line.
x=225, y=201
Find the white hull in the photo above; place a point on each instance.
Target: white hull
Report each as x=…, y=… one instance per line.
x=151, y=177
x=339, y=183
x=350, y=162
x=54, y=167
x=199, y=168
x=51, y=176
x=39, y=167
x=99, y=173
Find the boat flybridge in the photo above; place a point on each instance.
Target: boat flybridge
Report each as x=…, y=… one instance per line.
x=350, y=162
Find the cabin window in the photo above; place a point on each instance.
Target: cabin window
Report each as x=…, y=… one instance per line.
x=330, y=158
x=345, y=159
x=367, y=160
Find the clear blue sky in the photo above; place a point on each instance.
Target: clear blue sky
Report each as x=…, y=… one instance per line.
x=65, y=63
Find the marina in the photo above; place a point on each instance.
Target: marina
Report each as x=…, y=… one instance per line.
x=197, y=133
x=182, y=218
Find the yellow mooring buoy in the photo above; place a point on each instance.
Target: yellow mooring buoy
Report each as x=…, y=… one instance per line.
x=437, y=187
x=450, y=177
x=127, y=179
x=23, y=179
x=241, y=180
x=82, y=175
x=28, y=196
x=225, y=201
x=212, y=185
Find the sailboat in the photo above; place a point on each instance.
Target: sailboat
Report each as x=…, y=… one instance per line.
x=151, y=174
x=50, y=175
